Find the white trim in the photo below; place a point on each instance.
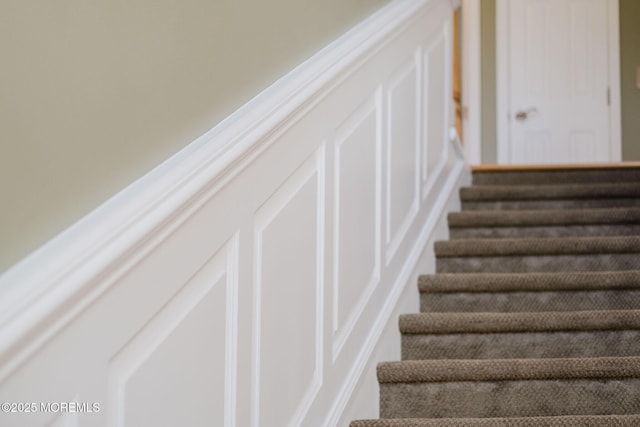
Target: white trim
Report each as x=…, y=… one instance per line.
x=341, y=335
x=449, y=189
x=231, y=334
x=69, y=269
x=503, y=81
x=314, y=166
x=129, y=258
x=471, y=80
x=615, y=120
x=394, y=240
x=221, y=267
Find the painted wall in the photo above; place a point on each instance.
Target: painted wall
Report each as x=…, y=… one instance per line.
x=630, y=93
x=257, y=285
x=629, y=57
x=95, y=94
x=488, y=122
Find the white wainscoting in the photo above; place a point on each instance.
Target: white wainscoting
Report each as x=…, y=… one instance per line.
x=248, y=279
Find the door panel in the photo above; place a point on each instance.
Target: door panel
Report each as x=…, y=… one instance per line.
x=558, y=70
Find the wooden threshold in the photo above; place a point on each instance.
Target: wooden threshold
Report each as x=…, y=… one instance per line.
x=574, y=166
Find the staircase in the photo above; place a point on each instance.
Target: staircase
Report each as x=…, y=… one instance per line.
x=533, y=316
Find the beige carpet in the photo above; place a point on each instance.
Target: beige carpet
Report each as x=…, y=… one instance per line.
x=533, y=315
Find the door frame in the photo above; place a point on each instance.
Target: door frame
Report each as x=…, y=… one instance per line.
x=503, y=79
x=471, y=81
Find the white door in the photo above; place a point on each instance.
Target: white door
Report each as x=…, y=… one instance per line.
x=558, y=91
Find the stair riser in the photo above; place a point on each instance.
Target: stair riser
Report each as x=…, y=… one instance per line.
x=458, y=365
x=530, y=301
x=543, y=263
x=521, y=345
x=555, y=231
x=549, y=204
x=509, y=398
x=562, y=421
x=555, y=177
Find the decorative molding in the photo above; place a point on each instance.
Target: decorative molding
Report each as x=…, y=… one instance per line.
x=318, y=374
x=314, y=166
x=122, y=366
x=372, y=106
x=430, y=177
x=77, y=266
x=424, y=93
x=393, y=240
x=67, y=419
x=231, y=332
x=224, y=194
x=471, y=80
x=435, y=213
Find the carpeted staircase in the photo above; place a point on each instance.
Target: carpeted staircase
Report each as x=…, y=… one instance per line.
x=533, y=316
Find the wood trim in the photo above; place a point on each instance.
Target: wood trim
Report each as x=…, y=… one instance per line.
x=457, y=80
x=513, y=168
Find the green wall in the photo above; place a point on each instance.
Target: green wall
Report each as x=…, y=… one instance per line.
x=488, y=81
x=630, y=94
x=94, y=94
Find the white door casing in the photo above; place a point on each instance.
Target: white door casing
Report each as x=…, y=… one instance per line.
x=471, y=80
x=557, y=81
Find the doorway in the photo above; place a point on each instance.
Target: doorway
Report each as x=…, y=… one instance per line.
x=558, y=81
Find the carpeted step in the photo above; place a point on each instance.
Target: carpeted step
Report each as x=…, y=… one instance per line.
x=561, y=421
x=516, y=292
x=544, y=223
x=537, y=255
x=533, y=317
x=520, y=335
x=556, y=176
x=509, y=387
x=561, y=196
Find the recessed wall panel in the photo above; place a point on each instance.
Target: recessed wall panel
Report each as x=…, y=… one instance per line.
x=68, y=419
x=436, y=100
x=403, y=154
x=187, y=351
x=356, y=216
x=288, y=291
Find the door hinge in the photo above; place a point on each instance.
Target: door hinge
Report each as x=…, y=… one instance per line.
x=608, y=96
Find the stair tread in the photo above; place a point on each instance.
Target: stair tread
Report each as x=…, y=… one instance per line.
x=482, y=370
x=558, y=421
x=546, y=174
x=537, y=246
x=535, y=307
x=551, y=191
x=542, y=167
x=532, y=282
x=544, y=217
x=455, y=323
